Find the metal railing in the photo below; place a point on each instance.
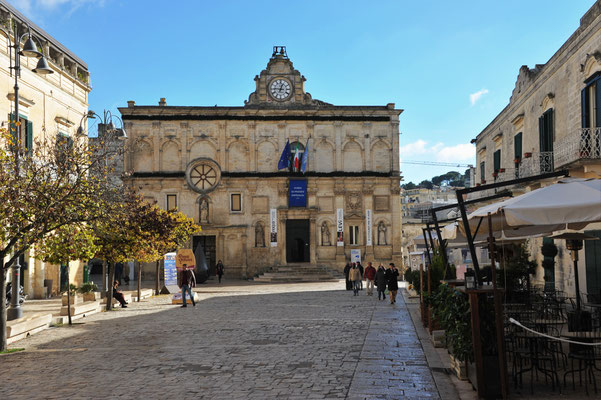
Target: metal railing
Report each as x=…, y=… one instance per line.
x=538, y=163
x=584, y=145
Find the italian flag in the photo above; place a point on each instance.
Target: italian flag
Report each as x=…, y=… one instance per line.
x=296, y=162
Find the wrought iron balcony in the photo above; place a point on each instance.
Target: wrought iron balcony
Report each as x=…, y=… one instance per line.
x=585, y=145
x=536, y=164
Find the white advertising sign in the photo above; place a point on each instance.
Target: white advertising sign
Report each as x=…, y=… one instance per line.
x=274, y=228
x=355, y=255
x=340, y=227
x=368, y=228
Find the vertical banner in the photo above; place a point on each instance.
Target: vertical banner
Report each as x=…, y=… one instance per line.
x=368, y=228
x=170, y=270
x=340, y=227
x=274, y=227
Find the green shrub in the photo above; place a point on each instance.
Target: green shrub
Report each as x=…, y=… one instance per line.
x=88, y=287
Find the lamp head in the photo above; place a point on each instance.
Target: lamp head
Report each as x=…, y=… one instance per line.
x=30, y=49
x=43, y=68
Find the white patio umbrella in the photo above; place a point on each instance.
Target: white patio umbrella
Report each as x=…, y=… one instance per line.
x=568, y=204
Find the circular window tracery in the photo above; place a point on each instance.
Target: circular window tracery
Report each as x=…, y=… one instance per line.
x=203, y=175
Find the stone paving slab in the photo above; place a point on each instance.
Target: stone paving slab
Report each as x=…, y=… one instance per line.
x=281, y=341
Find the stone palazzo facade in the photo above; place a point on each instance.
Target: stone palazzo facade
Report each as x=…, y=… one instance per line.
x=219, y=165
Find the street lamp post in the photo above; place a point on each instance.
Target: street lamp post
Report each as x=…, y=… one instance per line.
x=29, y=50
x=106, y=130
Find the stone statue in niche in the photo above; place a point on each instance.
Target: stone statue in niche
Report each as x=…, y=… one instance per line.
x=204, y=211
x=325, y=234
x=382, y=234
x=259, y=235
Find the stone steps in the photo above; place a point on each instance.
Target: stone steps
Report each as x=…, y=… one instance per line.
x=299, y=273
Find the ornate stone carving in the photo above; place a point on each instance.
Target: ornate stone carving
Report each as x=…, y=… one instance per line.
x=259, y=235
x=204, y=211
x=325, y=234
x=382, y=234
x=354, y=202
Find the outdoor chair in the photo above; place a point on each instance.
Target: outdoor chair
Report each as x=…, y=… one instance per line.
x=587, y=357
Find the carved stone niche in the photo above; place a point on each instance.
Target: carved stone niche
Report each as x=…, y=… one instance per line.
x=354, y=203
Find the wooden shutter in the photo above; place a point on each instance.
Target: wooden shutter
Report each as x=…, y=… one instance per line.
x=497, y=161
x=517, y=146
x=592, y=258
x=597, y=104
x=29, y=139
x=12, y=127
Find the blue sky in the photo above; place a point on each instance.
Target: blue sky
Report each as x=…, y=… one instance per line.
x=451, y=65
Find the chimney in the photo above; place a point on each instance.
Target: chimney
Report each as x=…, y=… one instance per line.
x=131, y=104
x=162, y=102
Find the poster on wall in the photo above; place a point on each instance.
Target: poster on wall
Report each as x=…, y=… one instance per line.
x=356, y=255
x=368, y=228
x=339, y=227
x=170, y=270
x=274, y=227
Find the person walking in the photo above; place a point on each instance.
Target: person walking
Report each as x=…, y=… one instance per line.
x=361, y=272
x=219, y=270
x=370, y=276
x=392, y=276
x=347, y=268
x=188, y=282
x=381, y=282
x=355, y=277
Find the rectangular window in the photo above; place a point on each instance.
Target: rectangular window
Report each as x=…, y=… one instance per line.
x=546, y=131
x=591, y=102
x=497, y=161
x=171, y=202
x=482, y=172
x=353, y=234
x=517, y=147
x=23, y=132
x=235, y=202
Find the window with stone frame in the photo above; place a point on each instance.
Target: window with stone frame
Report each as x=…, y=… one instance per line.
x=236, y=202
x=171, y=202
x=22, y=132
x=353, y=235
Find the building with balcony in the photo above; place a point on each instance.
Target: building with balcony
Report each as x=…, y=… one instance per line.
x=52, y=104
x=552, y=123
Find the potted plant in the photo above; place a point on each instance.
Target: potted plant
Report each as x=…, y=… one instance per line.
x=527, y=155
x=89, y=291
x=74, y=299
x=517, y=160
x=502, y=170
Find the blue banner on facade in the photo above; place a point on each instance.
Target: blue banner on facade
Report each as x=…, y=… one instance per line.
x=297, y=193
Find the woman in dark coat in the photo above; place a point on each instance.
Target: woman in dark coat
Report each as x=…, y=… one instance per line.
x=349, y=284
x=392, y=277
x=381, y=282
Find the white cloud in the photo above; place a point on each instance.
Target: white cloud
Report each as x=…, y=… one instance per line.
x=32, y=8
x=474, y=97
x=420, y=150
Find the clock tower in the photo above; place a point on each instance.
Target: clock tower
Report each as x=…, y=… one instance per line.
x=280, y=85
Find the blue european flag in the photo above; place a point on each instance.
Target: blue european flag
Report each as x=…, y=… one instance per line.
x=285, y=158
x=303, y=166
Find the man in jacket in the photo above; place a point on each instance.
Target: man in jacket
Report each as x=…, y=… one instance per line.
x=381, y=282
x=188, y=282
x=370, y=275
x=355, y=278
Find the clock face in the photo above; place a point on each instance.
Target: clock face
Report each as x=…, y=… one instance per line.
x=280, y=89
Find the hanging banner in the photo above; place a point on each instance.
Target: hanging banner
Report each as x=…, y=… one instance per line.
x=297, y=193
x=340, y=227
x=170, y=270
x=368, y=228
x=274, y=227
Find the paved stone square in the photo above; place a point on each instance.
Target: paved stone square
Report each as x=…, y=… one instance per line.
x=241, y=341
